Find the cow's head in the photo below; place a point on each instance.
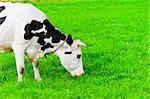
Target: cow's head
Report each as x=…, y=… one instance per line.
x=70, y=55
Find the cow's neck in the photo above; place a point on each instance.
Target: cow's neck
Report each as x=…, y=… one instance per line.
x=34, y=52
x=48, y=41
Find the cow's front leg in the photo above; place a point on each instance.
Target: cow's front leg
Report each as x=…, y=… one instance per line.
x=19, y=56
x=36, y=71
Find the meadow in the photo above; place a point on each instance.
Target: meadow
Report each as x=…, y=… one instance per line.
x=116, y=59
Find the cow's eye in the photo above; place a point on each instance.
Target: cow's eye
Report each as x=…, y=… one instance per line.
x=68, y=52
x=79, y=56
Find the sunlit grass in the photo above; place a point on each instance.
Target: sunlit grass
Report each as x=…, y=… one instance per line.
x=116, y=59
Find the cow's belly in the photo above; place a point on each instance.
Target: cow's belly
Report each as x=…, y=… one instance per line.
x=5, y=43
x=6, y=38
x=4, y=49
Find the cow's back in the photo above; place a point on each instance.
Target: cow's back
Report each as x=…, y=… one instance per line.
x=17, y=16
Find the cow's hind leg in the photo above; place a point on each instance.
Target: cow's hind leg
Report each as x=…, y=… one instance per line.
x=36, y=71
x=19, y=56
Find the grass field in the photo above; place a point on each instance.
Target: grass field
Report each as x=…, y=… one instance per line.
x=116, y=59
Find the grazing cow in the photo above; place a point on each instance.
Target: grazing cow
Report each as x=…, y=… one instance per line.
x=26, y=31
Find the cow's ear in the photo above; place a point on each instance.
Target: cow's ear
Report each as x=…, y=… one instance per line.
x=69, y=40
x=80, y=44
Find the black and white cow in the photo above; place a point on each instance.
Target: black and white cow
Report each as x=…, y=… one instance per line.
x=25, y=30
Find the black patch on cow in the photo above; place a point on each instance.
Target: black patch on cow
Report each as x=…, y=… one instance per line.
x=48, y=45
x=28, y=35
x=2, y=8
x=49, y=27
x=52, y=32
x=36, y=25
x=69, y=40
x=2, y=20
x=68, y=52
x=56, y=35
x=41, y=37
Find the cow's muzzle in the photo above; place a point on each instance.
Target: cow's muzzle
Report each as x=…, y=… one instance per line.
x=77, y=73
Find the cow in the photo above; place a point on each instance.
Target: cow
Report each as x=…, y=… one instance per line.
x=26, y=30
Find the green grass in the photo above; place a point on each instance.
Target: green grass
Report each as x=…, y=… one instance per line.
x=116, y=59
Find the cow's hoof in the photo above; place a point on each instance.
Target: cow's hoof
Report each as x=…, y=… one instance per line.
x=39, y=79
x=19, y=80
